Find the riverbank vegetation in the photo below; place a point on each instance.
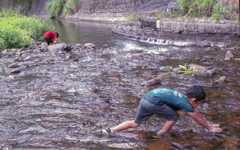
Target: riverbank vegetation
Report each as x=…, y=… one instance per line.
x=133, y=17
x=215, y=9
x=19, y=31
x=57, y=7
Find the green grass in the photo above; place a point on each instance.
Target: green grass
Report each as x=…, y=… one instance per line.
x=216, y=9
x=19, y=31
x=132, y=17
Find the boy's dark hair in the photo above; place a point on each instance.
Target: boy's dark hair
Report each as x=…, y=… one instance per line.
x=56, y=34
x=197, y=92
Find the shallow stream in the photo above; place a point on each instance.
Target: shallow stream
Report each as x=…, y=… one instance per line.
x=64, y=104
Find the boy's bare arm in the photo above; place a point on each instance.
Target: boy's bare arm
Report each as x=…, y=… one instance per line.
x=56, y=40
x=200, y=120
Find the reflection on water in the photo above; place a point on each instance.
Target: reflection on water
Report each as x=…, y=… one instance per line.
x=74, y=32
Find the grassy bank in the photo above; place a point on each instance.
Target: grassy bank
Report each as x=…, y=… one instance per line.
x=19, y=31
x=214, y=9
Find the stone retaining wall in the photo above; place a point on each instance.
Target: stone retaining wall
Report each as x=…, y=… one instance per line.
x=115, y=10
x=194, y=26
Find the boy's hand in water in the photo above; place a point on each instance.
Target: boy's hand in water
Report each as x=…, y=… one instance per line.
x=215, y=128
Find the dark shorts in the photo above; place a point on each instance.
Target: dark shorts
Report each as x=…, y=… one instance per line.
x=49, y=40
x=147, y=109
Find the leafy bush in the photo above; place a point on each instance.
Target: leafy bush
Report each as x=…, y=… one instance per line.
x=18, y=31
x=161, y=15
x=196, y=8
x=2, y=44
x=55, y=8
x=220, y=12
x=132, y=17
x=217, y=17
x=71, y=6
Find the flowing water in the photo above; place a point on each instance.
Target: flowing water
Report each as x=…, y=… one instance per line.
x=64, y=104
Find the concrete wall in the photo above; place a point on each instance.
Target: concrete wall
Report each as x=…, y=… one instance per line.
x=115, y=10
x=194, y=26
x=38, y=8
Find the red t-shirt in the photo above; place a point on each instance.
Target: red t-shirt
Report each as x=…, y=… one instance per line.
x=50, y=34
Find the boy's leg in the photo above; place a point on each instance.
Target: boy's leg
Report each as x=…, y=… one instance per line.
x=167, y=126
x=125, y=125
x=166, y=112
x=142, y=116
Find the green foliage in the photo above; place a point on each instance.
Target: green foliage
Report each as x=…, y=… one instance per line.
x=18, y=31
x=168, y=69
x=132, y=17
x=2, y=44
x=220, y=12
x=185, y=70
x=161, y=14
x=217, y=17
x=9, y=13
x=196, y=8
x=71, y=6
x=55, y=8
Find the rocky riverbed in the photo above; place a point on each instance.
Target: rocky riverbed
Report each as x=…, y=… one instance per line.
x=62, y=97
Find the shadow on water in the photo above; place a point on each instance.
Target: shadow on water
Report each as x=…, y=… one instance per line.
x=64, y=104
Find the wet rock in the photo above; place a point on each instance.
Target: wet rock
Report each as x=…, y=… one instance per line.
x=12, y=141
x=154, y=81
x=162, y=144
x=53, y=49
x=143, y=134
x=102, y=109
x=176, y=69
x=32, y=46
x=43, y=46
x=201, y=71
x=15, y=71
x=79, y=46
x=214, y=95
x=67, y=56
x=181, y=142
x=14, y=65
x=205, y=58
x=113, y=79
x=89, y=45
x=4, y=53
x=11, y=77
x=231, y=143
x=201, y=143
x=211, y=72
x=205, y=43
x=122, y=145
x=7, y=148
x=28, y=58
x=229, y=55
x=222, y=79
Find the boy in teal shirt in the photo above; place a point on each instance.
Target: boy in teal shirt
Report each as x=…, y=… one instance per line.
x=165, y=103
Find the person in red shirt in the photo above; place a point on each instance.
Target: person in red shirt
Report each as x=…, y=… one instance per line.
x=50, y=36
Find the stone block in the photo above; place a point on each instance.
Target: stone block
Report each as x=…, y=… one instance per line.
x=190, y=27
x=179, y=27
x=237, y=30
x=218, y=28
x=201, y=28
x=158, y=24
x=173, y=25
x=167, y=26
x=226, y=29
x=210, y=28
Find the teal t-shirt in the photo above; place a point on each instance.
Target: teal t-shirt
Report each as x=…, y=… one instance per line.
x=173, y=99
